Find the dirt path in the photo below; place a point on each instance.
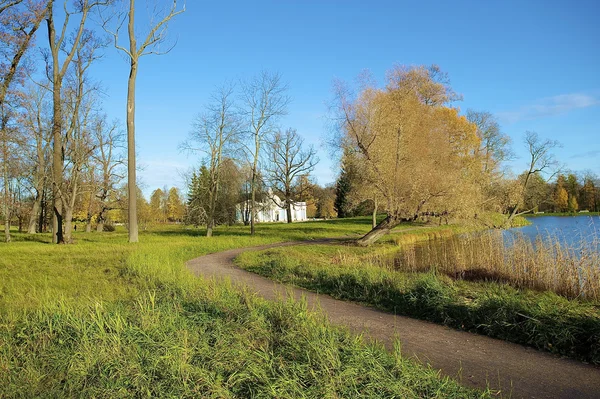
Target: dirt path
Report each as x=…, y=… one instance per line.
x=475, y=360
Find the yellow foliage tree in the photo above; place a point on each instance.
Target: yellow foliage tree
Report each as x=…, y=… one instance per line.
x=418, y=153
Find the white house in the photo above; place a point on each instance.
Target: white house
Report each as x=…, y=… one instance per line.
x=272, y=210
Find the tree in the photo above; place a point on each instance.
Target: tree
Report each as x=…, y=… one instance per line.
x=541, y=161
x=149, y=45
x=561, y=195
x=56, y=70
x=157, y=205
x=342, y=190
x=215, y=133
x=588, y=193
x=36, y=123
x=108, y=161
x=573, y=205
x=265, y=100
x=19, y=21
x=79, y=102
x=288, y=163
x=494, y=148
x=175, y=209
x=418, y=151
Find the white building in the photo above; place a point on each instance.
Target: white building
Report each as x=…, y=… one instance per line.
x=272, y=210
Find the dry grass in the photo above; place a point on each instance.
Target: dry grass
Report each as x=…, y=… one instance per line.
x=570, y=268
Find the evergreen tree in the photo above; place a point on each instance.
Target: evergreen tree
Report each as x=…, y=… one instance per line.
x=342, y=190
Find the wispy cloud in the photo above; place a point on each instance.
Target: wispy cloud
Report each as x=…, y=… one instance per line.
x=588, y=154
x=549, y=106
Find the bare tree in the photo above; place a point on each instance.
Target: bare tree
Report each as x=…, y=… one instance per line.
x=150, y=44
x=265, y=100
x=108, y=161
x=495, y=146
x=37, y=126
x=18, y=25
x=541, y=161
x=56, y=71
x=215, y=133
x=288, y=163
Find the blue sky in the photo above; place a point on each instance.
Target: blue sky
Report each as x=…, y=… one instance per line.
x=534, y=64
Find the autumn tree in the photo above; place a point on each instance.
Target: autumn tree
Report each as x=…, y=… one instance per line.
x=265, y=100
x=216, y=134
x=157, y=206
x=174, y=205
x=287, y=163
x=418, y=150
x=149, y=44
x=561, y=195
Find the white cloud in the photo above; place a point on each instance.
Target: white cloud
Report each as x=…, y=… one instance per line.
x=549, y=106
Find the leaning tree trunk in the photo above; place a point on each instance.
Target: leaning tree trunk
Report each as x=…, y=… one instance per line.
x=379, y=231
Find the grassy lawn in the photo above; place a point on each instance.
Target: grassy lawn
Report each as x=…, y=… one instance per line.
x=103, y=318
x=543, y=320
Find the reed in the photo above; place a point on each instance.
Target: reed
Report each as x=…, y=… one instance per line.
x=570, y=268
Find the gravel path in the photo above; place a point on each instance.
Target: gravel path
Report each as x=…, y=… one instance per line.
x=475, y=360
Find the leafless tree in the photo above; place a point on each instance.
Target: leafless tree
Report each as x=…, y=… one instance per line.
x=541, y=162
x=37, y=123
x=57, y=68
x=108, y=161
x=150, y=44
x=216, y=133
x=288, y=162
x=495, y=146
x=265, y=100
x=19, y=22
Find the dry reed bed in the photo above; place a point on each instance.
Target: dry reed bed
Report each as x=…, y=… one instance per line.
x=570, y=268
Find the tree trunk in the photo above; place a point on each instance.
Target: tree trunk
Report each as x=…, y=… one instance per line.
x=289, y=212
x=68, y=235
x=374, y=221
x=88, y=225
x=131, y=172
x=33, y=218
x=379, y=231
x=100, y=220
x=253, y=199
x=57, y=166
x=7, y=237
x=43, y=213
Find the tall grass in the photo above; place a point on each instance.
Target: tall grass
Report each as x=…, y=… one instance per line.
x=164, y=333
x=570, y=268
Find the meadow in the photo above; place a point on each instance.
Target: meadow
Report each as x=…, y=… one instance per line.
x=103, y=318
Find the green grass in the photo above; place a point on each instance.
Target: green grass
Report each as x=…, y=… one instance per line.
x=543, y=320
x=102, y=318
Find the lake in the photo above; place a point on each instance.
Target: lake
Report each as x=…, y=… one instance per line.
x=572, y=230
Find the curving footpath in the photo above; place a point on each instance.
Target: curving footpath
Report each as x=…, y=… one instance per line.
x=475, y=360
